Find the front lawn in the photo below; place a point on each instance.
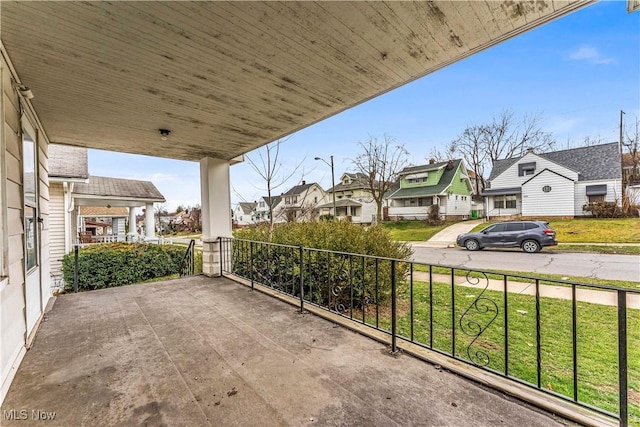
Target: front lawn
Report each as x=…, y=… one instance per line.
x=592, y=230
x=413, y=231
x=596, y=345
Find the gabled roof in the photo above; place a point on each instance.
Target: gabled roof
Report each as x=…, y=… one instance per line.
x=359, y=181
x=247, y=207
x=66, y=161
x=433, y=190
x=298, y=189
x=118, y=187
x=275, y=200
x=592, y=163
x=425, y=168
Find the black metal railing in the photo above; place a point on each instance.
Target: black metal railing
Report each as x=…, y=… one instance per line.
x=567, y=339
x=187, y=265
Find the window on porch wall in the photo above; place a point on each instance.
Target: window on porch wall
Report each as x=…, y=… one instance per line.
x=505, y=202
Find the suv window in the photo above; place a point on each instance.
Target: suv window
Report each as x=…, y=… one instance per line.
x=498, y=228
x=530, y=225
x=515, y=226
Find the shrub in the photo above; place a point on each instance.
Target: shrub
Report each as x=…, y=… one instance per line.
x=603, y=209
x=330, y=279
x=116, y=264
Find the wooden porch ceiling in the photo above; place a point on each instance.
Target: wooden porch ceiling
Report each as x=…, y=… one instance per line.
x=227, y=78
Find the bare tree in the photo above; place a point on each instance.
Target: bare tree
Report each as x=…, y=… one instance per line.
x=505, y=137
x=271, y=170
x=631, y=142
x=439, y=155
x=381, y=162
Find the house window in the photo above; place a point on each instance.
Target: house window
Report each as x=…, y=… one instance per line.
x=416, y=180
x=596, y=193
x=425, y=201
x=595, y=199
x=526, y=169
x=546, y=188
x=30, y=179
x=505, y=202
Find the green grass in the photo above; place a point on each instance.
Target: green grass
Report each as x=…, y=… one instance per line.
x=599, y=249
x=596, y=345
x=561, y=277
x=413, y=231
x=593, y=230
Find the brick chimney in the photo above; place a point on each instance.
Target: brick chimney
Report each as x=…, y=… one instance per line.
x=304, y=182
x=432, y=161
x=530, y=150
x=450, y=165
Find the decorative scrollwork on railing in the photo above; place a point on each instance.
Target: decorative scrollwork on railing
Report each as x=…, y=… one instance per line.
x=473, y=328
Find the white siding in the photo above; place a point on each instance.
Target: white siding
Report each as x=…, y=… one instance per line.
x=455, y=206
x=614, y=193
x=558, y=202
x=510, y=178
x=12, y=321
x=57, y=227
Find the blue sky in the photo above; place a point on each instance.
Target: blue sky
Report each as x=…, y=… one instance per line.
x=577, y=72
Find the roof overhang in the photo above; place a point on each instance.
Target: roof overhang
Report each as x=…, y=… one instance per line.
x=228, y=77
x=95, y=200
x=501, y=191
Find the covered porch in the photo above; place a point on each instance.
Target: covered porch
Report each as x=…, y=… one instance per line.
x=203, y=351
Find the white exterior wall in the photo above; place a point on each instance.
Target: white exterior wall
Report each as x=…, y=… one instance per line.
x=13, y=329
x=510, y=178
x=493, y=211
x=558, y=202
x=241, y=217
x=455, y=207
x=57, y=227
x=614, y=193
x=417, y=212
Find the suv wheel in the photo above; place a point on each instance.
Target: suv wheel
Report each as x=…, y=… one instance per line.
x=472, y=245
x=531, y=246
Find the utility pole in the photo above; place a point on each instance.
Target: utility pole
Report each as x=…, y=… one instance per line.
x=333, y=183
x=621, y=143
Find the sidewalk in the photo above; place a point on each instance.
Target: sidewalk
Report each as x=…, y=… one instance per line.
x=592, y=296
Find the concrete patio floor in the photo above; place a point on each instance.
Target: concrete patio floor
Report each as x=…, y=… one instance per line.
x=201, y=351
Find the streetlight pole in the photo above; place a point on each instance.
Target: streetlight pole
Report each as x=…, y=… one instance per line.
x=333, y=183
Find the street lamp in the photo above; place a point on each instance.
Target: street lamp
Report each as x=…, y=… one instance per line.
x=333, y=184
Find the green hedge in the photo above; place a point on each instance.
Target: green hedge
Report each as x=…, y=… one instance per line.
x=334, y=280
x=116, y=264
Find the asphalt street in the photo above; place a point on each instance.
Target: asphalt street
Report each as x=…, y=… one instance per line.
x=614, y=267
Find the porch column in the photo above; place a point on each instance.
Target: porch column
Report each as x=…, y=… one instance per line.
x=216, y=212
x=133, y=227
x=149, y=223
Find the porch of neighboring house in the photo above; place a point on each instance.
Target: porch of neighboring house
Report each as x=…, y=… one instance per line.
x=102, y=224
x=203, y=351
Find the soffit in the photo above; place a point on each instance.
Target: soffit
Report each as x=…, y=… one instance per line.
x=227, y=78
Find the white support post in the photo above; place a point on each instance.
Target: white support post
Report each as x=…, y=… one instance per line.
x=216, y=212
x=150, y=224
x=133, y=227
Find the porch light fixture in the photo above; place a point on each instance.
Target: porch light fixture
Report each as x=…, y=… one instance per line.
x=164, y=134
x=25, y=91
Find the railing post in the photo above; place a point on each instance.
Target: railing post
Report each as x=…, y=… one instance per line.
x=221, y=257
x=75, y=268
x=394, y=346
x=301, y=254
x=622, y=358
x=252, y=265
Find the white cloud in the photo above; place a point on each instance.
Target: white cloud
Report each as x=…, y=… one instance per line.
x=591, y=55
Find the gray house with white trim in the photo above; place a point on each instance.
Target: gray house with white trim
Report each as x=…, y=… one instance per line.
x=559, y=183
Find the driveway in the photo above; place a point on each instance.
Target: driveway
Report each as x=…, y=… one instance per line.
x=200, y=351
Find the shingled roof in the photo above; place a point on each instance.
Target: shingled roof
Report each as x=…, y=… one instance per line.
x=592, y=163
x=119, y=188
x=298, y=189
x=432, y=190
x=247, y=207
x=66, y=161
